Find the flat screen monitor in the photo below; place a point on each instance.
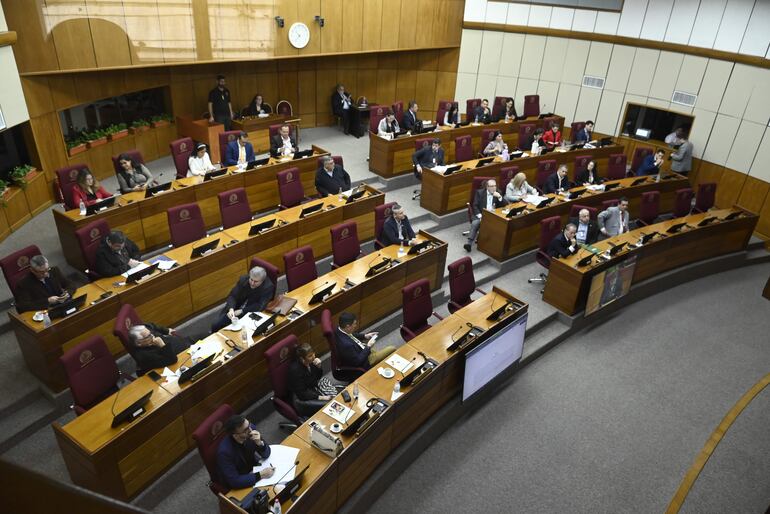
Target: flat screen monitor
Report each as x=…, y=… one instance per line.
x=610, y=285
x=490, y=358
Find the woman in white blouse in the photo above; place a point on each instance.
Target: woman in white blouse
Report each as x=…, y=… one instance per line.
x=496, y=146
x=518, y=188
x=388, y=126
x=199, y=162
x=537, y=142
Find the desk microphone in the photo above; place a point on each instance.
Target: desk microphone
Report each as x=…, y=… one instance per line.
x=296, y=463
x=405, y=367
x=369, y=264
x=114, y=401
x=320, y=287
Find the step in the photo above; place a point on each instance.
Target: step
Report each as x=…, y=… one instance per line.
x=35, y=413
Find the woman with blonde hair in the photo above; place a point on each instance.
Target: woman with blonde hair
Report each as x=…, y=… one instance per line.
x=518, y=188
x=87, y=189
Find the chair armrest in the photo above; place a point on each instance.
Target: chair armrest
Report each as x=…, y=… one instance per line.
x=481, y=290
x=406, y=329
x=456, y=305
x=434, y=313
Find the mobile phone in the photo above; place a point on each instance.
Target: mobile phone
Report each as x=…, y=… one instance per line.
x=232, y=353
x=106, y=295
x=346, y=396
x=154, y=375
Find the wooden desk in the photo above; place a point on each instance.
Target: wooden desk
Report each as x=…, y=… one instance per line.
x=501, y=237
x=194, y=285
x=258, y=128
x=144, y=220
x=391, y=157
x=122, y=462
x=444, y=194
x=568, y=285
x=341, y=476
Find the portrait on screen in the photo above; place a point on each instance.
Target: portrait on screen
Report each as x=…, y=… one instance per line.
x=610, y=285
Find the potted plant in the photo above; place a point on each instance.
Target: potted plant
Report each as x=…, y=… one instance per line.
x=117, y=131
x=18, y=176
x=3, y=188
x=140, y=125
x=76, y=145
x=161, y=120
x=96, y=138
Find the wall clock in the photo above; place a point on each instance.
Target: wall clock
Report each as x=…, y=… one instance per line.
x=299, y=35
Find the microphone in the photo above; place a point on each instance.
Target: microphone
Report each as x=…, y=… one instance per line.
x=114, y=401
x=296, y=463
x=402, y=373
x=492, y=305
x=369, y=264
x=320, y=287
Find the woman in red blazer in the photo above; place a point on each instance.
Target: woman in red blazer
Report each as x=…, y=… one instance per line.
x=88, y=189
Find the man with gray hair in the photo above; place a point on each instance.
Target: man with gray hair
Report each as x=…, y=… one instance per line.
x=331, y=178
x=251, y=293
x=153, y=346
x=43, y=287
x=587, y=229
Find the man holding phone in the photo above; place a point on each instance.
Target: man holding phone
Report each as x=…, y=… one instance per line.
x=43, y=287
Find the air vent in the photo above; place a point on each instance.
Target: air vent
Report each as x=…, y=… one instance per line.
x=682, y=98
x=593, y=82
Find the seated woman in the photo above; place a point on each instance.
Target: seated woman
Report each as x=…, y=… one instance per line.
x=452, y=116
x=87, y=189
x=258, y=106
x=518, y=188
x=590, y=175
x=309, y=390
x=537, y=143
x=509, y=112
x=199, y=162
x=497, y=146
x=133, y=176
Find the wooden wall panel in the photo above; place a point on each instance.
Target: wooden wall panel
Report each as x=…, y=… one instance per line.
x=426, y=15
x=287, y=9
x=37, y=94
x=306, y=79
x=371, y=25
x=334, y=26
x=754, y=194
x=729, y=188
x=51, y=151
x=71, y=34
x=306, y=11
x=352, y=26
x=391, y=11
x=108, y=33
x=367, y=84
x=34, y=51
x=410, y=24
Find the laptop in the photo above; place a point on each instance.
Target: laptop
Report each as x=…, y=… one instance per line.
x=646, y=238
x=197, y=251
x=154, y=190
x=484, y=161
x=452, y=169
x=302, y=154
x=136, y=276
x=356, y=195
x=190, y=372
x=515, y=212
x=544, y=202
x=310, y=210
x=266, y=325
x=65, y=309
x=616, y=249
x=259, y=227
x=323, y=293
x=577, y=193
x=414, y=250
x=100, y=205
x=585, y=261
x=257, y=162
x=214, y=174
x=291, y=487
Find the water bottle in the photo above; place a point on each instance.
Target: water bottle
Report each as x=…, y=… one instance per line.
x=244, y=336
x=477, y=118
x=276, y=507
x=400, y=247
x=341, y=197
x=47, y=318
x=82, y=208
x=506, y=155
x=355, y=390
x=396, y=388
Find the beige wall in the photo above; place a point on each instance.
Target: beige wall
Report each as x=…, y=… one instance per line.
x=11, y=97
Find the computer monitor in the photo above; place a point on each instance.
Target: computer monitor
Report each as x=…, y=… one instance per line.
x=131, y=412
x=154, y=190
x=259, y=227
x=214, y=174
x=321, y=294
x=100, y=205
x=197, y=251
x=310, y=210
x=65, y=309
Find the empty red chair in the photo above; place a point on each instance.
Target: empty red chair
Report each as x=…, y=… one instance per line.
x=234, y=207
x=705, y=198
x=135, y=155
x=462, y=283
x=470, y=108
x=89, y=238
x=91, y=373
x=381, y=213
x=498, y=107
x=525, y=134
x=639, y=154
x=531, y=105
x=463, y=148
x=649, y=208
x=342, y=373
x=549, y=229
x=185, y=223
x=271, y=270
x=506, y=175
x=181, y=149
x=66, y=179
x=225, y=138
x=300, y=267
x=290, y=189
x=376, y=113
x=616, y=167
x=398, y=110
x=207, y=437
x=581, y=163
x=345, y=245
x=574, y=211
x=16, y=265
x=417, y=308
x=545, y=169
x=683, y=202
x=336, y=158
x=127, y=317
x=279, y=357
x=284, y=108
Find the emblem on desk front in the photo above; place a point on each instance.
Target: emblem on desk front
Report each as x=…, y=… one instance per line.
x=86, y=357
x=22, y=262
x=95, y=233
x=300, y=258
x=184, y=215
x=233, y=199
x=183, y=147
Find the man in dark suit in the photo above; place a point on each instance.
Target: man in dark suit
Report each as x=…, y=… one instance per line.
x=354, y=349
x=558, y=181
x=43, y=287
x=251, y=293
x=482, y=113
x=585, y=134
x=397, y=229
x=283, y=143
x=331, y=178
x=587, y=229
x=428, y=156
x=564, y=244
x=341, y=103
x=487, y=197
x=410, y=122
x=239, y=151
x=155, y=346
x=116, y=255
x=239, y=451
x=651, y=164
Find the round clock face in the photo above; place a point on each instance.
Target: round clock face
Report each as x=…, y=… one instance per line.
x=299, y=35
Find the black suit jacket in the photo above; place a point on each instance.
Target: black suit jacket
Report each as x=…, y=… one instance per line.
x=559, y=247
x=389, y=234
x=327, y=185
x=593, y=230
x=553, y=183
x=276, y=144
x=512, y=114
x=242, y=296
x=350, y=353
x=480, y=201
x=409, y=120
x=482, y=115
x=151, y=357
x=583, y=178
x=337, y=103
x=303, y=382
x=424, y=157
x=110, y=263
x=31, y=294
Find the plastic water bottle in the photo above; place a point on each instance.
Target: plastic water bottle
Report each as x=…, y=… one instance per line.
x=355, y=390
x=401, y=248
x=82, y=208
x=276, y=507
x=341, y=197
x=396, y=388
x=477, y=118
x=506, y=156
x=245, y=337
x=47, y=318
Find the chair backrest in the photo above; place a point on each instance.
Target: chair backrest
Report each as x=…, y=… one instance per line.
x=593, y=212
x=639, y=154
x=417, y=304
x=549, y=228
x=706, y=196
x=376, y=113
x=337, y=160
x=381, y=214
x=487, y=135
x=67, y=178
x=476, y=184
x=181, y=149
x=274, y=130
x=683, y=202
x=224, y=139
x=506, y=175
x=470, y=106
x=575, y=128
x=272, y=271
x=650, y=206
x=234, y=207
x=398, y=110
x=531, y=105
x=463, y=148
x=135, y=155
x=284, y=108
x=300, y=267
x=185, y=223
x=498, y=107
x=422, y=142
x=525, y=133
x=16, y=265
x=278, y=359
x=127, y=317
x=581, y=163
x=345, y=245
x=89, y=238
x=446, y=104
x=549, y=121
x=462, y=283
x=440, y=116
x=91, y=372
x=545, y=168
x=606, y=204
x=616, y=166
x=290, y=189
x=207, y=437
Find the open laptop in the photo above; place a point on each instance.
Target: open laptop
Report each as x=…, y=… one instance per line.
x=136, y=276
x=259, y=227
x=310, y=210
x=302, y=154
x=452, y=169
x=214, y=174
x=190, y=372
x=100, y=205
x=154, y=190
x=257, y=162
x=197, y=251
x=65, y=309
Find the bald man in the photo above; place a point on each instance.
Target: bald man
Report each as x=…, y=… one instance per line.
x=587, y=229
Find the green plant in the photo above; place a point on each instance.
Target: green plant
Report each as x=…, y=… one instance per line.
x=115, y=128
x=140, y=123
x=75, y=140
x=95, y=134
x=18, y=176
x=3, y=187
x=162, y=117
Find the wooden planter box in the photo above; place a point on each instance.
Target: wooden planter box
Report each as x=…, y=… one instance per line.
x=160, y=123
x=15, y=207
x=77, y=149
x=97, y=142
x=118, y=135
x=139, y=130
x=37, y=193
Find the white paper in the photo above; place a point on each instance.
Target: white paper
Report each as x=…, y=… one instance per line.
x=439, y=168
x=166, y=265
x=282, y=458
x=338, y=412
x=249, y=323
x=395, y=396
x=203, y=349
x=398, y=363
x=595, y=187
x=534, y=199
x=170, y=376
x=138, y=267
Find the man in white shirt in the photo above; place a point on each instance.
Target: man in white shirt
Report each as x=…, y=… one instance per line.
x=283, y=143
x=489, y=198
x=675, y=138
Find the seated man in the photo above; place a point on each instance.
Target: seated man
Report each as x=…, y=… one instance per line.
x=354, y=348
x=585, y=134
x=155, y=346
x=239, y=451
x=651, y=164
x=331, y=178
x=429, y=156
x=614, y=220
x=43, y=287
x=558, y=181
x=116, y=254
x=309, y=390
x=239, y=151
x=283, y=143
x=397, y=229
x=552, y=137
x=587, y=231
x=489, y=198
x=564, y=244
x=410, y=121
x=251, y=293
x=482, y=113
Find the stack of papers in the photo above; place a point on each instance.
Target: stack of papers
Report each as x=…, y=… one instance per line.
x=282, y=458
x=164, y=263
x=534, y=199
x=138, y=267
x=203, y=349
x=595, y=187
x=439, y=168
x=170, y=376
x=248, y=323
x=338, y=412
x=398, y=363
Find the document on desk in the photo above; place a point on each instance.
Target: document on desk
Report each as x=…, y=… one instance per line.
x=282, y=458
x=534, y=199
x=595, y=187
x=398, y=363
x=338, y=412
x=203, y=349
x=439, y=168
x=138, y=267
x=246, y=321
x=164, y=263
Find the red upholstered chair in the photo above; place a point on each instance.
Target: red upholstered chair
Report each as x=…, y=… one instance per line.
x=66, y=178
x=443, y=107
x=575, y=128
x=531, y=105
x=274, y=130
x=545, y=169
x=181, y=149
x=549, y=121
x=234, y=207
x=185, y=222
x=284, y=108
x=463, y=148
x=549, y=228
x=278, y=358
x=422, y=142
x=462, y=283
x=606, y=204
x=506, y=175
x=272, y=271
x=16, y=265
x=381, y=213
x=487, y=135
x=683, y=202
x=89, y=238
x=337, y=160
x=476, y=183
x=616, y=167
x=639, y=154
x=127, y=317
x=649, y=208
x=398, y=110
x=134, y=154
x=470, y=106
x=91, y=373
x=525, y=133
x=342, y=373
x=440, y=117
x=207, y=437
x=417, y=308
x=345, y=245
x=376, y=113
x=498, y=107
x=224, y=139
x=290, y=188
x=300, y=267
x=704, y=200
x=593, y=212
x=581, y=163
